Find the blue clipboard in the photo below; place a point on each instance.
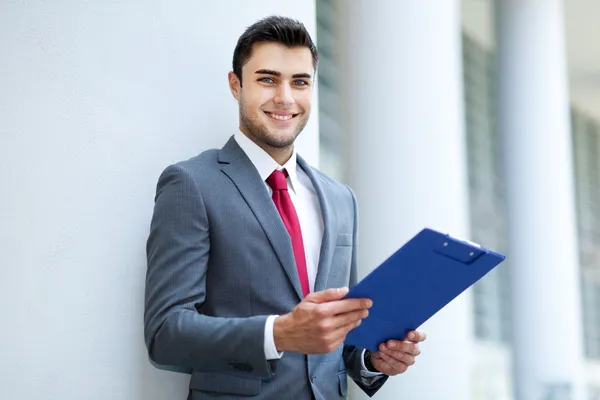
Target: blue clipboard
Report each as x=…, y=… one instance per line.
x=416, y=282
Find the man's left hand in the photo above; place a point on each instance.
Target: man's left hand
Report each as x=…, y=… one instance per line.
x=394, y=356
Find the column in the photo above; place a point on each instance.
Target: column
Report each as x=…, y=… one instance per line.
x=406, y=160
x=534, y=123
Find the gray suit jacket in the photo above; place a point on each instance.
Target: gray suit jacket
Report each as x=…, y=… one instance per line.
x=220, y=261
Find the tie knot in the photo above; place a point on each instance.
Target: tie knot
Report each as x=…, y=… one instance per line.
x=278, y=180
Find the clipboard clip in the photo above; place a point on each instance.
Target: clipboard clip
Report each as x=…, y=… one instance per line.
x=462, y=250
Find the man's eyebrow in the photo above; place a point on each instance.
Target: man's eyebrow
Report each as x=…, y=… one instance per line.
x=277, y=73
x=303, y=75
x=267, y=72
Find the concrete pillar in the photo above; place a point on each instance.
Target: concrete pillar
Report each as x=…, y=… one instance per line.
x=406, y=159
x=534, y=123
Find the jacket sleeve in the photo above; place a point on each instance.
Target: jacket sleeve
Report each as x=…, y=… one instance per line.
x=177, y=336
x=352, y=354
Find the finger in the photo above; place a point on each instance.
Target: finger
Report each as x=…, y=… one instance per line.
x=381, y=365
x=328, y=295
x=416, y=336
x=339, y=333
x=384, y=367
x=348, y=318
x=405, y=347
x=399, y=356
x=332, y=340
x=346, y=306
x=397, y=366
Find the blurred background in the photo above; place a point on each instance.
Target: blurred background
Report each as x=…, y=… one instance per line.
x=475, y=117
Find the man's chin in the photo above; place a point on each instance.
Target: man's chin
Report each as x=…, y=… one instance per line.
x=281, y=143
x=281, y=139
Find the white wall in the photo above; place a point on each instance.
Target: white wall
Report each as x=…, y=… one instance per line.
x=96, y=98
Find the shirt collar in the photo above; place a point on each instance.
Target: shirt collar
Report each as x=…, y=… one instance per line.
x=264, y=164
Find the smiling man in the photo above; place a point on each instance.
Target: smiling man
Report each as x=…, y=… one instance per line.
x=251, y=250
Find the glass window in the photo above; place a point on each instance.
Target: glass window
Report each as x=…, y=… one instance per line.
x=329, y=97
x=594, y=393
x=587, y=181
x=487, y=202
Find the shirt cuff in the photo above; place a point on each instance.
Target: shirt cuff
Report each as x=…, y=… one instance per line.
x=364, y=372
x=271, y=352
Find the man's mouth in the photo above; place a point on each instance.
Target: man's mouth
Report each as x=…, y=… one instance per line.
x=281, y=117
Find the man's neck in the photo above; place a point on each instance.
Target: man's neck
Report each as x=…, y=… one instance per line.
x=281, y=155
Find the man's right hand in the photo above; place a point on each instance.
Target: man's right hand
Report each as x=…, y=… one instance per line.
x=320, y=323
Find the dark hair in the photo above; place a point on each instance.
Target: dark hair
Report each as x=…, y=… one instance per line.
x=276, y=29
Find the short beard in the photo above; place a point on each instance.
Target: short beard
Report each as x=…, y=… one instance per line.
x=261, y=134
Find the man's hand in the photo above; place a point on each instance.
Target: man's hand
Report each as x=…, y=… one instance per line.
x=394, y=357
x=320, y=323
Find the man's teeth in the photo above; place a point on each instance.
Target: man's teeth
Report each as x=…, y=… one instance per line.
x=280, y=117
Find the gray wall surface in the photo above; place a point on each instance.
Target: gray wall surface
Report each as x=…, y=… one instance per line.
x=96, y=98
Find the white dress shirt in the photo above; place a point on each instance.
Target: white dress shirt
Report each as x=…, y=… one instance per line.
x=305, y=200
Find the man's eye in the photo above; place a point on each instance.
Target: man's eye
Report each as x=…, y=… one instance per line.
x=266, y=80
x=300, y=82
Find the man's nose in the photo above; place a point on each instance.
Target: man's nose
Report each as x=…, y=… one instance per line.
x=284, y=95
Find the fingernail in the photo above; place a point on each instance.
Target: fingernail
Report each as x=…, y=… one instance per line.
x=411, y=335
x=382, y=347
x=392, y=346
x=369, y=303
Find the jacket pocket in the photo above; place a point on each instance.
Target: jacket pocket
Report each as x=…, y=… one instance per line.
x=344, y=239
x=343, y=378
x=225, y=383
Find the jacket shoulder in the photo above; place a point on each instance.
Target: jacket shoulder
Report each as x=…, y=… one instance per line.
x=207, y=158
x=335, y=185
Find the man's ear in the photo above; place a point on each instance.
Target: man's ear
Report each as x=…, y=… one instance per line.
x=234, y=85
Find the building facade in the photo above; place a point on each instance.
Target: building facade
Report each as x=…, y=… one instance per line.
x=531, y=157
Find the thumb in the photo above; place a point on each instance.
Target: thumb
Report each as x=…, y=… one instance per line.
x=327, y=295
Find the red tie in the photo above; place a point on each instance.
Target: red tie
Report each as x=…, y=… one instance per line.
x=278, y=182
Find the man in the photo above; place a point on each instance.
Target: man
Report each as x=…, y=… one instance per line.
x=251, y=250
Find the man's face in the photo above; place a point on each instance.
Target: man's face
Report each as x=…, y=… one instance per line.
x=275, y=95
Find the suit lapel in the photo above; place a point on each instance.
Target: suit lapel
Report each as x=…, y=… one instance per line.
x=236, y=165
x=329, y=234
